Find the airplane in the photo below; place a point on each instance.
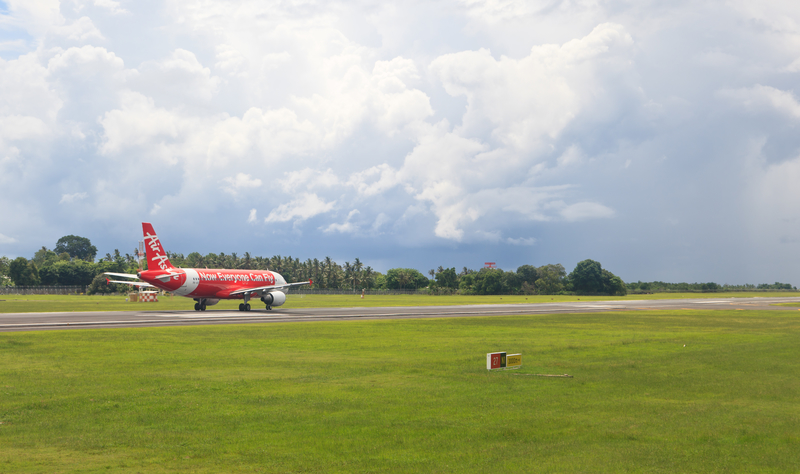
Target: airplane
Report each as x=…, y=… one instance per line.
x=206, y=286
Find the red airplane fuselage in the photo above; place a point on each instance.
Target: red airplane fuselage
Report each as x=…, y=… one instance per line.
x=209, y=283
x=208, y=286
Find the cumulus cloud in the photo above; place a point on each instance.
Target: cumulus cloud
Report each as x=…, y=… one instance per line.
x=240, y=182
x=346, y=227
x=303, y=208
x=111, y=5
x=759, y=98
x=177, y=79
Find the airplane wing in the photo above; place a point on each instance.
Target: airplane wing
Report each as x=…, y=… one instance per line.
x=121, y=275
x=135, y=283
x=271, y=287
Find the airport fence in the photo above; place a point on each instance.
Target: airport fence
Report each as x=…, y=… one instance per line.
x=42, y=290
x=330, y=291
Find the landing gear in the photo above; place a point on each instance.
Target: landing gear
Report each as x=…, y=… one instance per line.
x=200, y=305
x=269, y=308
x=245, y=306
x=197, y=306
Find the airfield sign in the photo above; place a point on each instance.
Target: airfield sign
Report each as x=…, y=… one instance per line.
x=501, y=360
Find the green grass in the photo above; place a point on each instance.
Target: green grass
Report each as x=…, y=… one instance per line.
x=409, y=396
x=59, y=303
x=787, y=304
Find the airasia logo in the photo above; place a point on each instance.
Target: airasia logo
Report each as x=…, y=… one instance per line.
x=159, y=259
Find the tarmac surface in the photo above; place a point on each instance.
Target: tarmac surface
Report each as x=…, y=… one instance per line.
x=110, y=319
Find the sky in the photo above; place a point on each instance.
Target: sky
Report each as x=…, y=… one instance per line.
x=659, y=139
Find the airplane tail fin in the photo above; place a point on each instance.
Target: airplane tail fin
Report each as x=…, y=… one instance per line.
x=156, y=256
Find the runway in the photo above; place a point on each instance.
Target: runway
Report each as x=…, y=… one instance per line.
x=106, y=319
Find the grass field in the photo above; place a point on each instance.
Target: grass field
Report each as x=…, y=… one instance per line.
x=58, y=303
x=683, y=391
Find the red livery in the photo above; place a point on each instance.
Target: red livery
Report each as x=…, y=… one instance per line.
x=207, y=286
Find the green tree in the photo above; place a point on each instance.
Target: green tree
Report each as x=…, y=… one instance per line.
x=23, y=272
x=4, y=262
x=405, y=278
x=447, y=278
x=75, y=273
x=488, y=281
x=590, y=277
x=4, y=278
x=465, y=283
x=48, y=275
x=368, y=276
x=528, y=274
x=99, y=285
x=43, y=257
x=194, y=260
x=587, y=277
x=76, y=247
x=511, y=283
x=613, y=285
x=551, y=279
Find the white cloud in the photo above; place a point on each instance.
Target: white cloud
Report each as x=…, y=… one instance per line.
x=586, y=210
x=177, y=79
x=70, y=198
x=138, y=122
x=308, y=178
x=761, y=98
x=7, y=240
x=86, y=61
x=572, y=156
x=386, y=179
x=81, y=29
x=346, y=227
x=111, y=5
x=240, y=182
x=306, y=207
x=252, y=217
x=524, y=241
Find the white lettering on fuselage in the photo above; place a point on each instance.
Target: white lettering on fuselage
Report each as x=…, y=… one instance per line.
x=235, y=277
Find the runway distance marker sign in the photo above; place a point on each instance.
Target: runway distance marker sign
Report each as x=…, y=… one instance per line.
x=502, y=360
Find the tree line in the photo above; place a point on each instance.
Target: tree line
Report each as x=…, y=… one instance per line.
x=661, y=287
x=72, y=263
x=588, y=277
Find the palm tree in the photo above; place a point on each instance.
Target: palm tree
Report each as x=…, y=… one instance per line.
x=329, y=272
x=348, y=270
x=403, y=277
x=368, y=272
x=357, y=267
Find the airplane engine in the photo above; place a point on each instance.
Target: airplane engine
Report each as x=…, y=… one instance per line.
x=211, y=301
x=274, y=298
